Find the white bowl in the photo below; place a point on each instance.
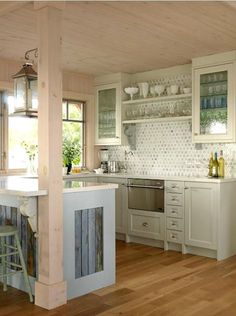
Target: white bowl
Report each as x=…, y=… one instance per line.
x=159, y=89
x=131, y=91
x=98, y=171
x=174, y=89
x=187, y=90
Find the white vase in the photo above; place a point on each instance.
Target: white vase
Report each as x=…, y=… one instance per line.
x=143, y=89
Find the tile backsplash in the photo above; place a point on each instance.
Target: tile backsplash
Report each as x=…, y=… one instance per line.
x=166, y=149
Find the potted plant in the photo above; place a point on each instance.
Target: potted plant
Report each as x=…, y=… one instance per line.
x=70, y=152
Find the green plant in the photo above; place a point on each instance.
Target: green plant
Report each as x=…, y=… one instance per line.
x=70, y=151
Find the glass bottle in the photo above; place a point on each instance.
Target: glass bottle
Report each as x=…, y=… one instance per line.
x=221, y=165
x=215, y=167
x=210, y=166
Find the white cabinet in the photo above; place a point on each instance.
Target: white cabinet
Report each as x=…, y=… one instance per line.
x=214, y=98
x=174, y=209
x=201, y=213
x=121, y=202
x=146, y=224
x=108, y=114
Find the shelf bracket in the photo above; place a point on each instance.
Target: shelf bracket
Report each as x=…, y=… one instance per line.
x=130, y=132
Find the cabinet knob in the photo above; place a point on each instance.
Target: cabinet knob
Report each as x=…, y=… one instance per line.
x=186, y=188
x=145, y=224
x=117, y=137
x=195, y=134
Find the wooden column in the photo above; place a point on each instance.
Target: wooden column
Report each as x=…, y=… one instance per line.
x=50, y=289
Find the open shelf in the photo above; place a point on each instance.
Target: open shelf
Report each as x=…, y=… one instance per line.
x=156, y=99
x=159, y=119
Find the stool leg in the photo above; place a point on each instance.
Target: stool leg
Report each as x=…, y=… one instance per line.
x=22, y=262
x=4, y=268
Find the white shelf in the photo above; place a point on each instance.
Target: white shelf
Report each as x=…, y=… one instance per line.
x=159, y=119
x=156, y=99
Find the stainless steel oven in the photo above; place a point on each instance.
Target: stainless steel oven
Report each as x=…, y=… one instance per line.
x=146, y=195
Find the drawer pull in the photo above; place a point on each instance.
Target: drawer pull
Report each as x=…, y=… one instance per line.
x=173, y=224
x=174, y=186
x=173, y=236
x=173, y=212
x=174, y=199
x=145, y=224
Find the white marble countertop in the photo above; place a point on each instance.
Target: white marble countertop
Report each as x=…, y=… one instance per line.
x=141, y=176
x=13, y=185
x=71, y=186
x=24, y=186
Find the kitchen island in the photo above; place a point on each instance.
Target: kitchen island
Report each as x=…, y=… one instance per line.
x=88, y=225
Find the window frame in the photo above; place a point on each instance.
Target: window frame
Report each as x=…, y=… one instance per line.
x=83, y=122
x=4, y=169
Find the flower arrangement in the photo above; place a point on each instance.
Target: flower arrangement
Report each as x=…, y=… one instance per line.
x=70, y=151
x=30, y=149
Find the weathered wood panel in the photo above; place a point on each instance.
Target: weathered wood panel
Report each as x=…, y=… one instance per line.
x=12, y=216
x=88, y=241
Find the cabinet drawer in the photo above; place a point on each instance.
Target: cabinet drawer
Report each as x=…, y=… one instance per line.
x=147, y=225
x=175, y=223
x=175, y=236
x=174, y=199
x=175, y=211
x=174, y=186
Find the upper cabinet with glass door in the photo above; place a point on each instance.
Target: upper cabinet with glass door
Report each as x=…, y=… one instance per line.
x=108, y=114
x=214, y=98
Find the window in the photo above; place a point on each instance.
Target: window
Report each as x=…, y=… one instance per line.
x=20, y=129
x=73, y=114
x=23, y=129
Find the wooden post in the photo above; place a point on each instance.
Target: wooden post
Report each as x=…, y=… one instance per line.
x=50, y=289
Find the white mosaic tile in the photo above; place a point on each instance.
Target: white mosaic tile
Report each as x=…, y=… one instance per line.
x=166, y=149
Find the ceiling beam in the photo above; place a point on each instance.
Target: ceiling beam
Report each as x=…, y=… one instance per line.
x=10, y=6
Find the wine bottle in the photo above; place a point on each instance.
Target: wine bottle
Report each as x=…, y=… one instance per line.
x=210, y=165
x=221, y=165
x=215, y=167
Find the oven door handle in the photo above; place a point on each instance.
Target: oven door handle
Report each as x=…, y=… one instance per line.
x=145, y=186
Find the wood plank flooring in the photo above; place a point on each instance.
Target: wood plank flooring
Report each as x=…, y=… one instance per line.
x=149, y=282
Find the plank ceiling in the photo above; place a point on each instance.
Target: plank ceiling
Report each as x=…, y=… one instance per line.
x=107, y=37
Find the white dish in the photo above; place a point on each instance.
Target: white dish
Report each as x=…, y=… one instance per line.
x=131, y=91
x=187, y=90
x=99, y=171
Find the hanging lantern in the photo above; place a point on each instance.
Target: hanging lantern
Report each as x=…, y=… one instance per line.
x=25, y=91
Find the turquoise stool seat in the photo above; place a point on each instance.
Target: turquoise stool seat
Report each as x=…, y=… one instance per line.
x=8, y=250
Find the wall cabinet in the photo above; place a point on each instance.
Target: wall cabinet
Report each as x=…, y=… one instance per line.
x=108, y=114
x=214, y=98
x=201, y=213
x=121, y=202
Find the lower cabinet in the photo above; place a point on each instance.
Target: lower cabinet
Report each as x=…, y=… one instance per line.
x=146, y=224
x=121, y=202
x=201, y=209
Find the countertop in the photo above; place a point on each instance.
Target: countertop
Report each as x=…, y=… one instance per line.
x=28, y=186
x=141, y=176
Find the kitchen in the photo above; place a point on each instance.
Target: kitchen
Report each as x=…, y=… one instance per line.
x=160, y=135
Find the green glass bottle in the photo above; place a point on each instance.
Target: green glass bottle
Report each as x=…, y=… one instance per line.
x=215, y=167
x=210, y=166
x=221, y=165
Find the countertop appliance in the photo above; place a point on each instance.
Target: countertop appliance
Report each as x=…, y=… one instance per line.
x=146, y=195
x=103, y=155
x=113, y=166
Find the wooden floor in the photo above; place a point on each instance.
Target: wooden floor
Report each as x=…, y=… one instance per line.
x=149, y=282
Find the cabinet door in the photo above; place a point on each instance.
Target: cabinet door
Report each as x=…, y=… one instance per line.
x=201, y=210
x=108, y=115
x=121, y=202
x=146, y=224
x=214, y=104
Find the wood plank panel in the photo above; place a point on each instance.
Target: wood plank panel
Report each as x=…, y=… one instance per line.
x=12, y=216
x=88, y=241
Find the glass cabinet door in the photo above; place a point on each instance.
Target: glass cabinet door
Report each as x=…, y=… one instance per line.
x=213, y=104
x=107, y=113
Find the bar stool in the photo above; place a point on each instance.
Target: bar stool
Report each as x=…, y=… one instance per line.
x=8, y=250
